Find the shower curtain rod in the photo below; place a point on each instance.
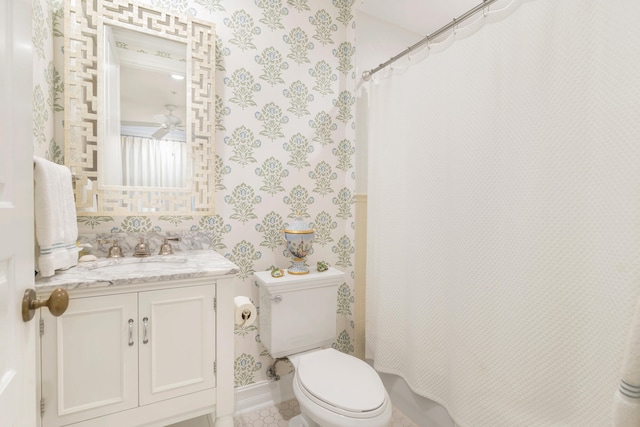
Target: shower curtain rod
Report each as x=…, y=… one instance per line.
x=366, y=75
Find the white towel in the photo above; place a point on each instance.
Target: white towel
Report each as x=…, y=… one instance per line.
x=55, y=217
x=626, y=403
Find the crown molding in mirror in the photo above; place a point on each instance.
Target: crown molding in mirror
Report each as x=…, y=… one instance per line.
x=84, y=21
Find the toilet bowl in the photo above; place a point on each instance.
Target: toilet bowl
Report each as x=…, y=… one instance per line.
x=338, y=390
x=298, y=321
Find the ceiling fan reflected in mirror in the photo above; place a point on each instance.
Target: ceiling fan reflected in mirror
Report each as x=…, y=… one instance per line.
x=167, y=122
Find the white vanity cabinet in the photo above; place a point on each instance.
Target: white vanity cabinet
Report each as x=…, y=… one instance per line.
x=139, y=355
x=176, y=341
x=88, y=367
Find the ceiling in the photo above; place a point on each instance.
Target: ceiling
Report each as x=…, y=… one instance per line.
x=418, y=16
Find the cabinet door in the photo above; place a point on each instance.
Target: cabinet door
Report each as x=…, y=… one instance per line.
x=177, y=342
x=90, y=359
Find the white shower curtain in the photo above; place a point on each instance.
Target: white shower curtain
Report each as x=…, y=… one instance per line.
x=504, y=214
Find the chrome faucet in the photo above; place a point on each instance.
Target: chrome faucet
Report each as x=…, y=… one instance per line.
x=141, y=249
x=165, y=247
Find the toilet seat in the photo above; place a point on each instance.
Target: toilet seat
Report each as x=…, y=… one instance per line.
x=341, y=383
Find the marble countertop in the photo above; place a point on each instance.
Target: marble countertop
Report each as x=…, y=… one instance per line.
x=129, y=270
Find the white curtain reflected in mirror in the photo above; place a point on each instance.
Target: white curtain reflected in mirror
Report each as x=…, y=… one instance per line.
x=148, y=162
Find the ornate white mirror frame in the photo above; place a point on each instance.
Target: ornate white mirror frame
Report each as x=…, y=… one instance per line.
x=85, y=112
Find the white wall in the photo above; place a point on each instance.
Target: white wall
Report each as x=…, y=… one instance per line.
x=377, y=41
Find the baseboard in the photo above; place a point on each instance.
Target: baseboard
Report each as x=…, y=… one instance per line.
x=264, y=393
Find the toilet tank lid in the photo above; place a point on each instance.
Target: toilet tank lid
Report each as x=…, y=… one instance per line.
x=341, y=380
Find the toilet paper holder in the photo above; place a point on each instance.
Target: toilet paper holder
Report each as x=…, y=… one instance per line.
x=245, y=312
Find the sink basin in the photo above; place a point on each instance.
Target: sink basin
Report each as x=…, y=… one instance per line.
x=135, y=265
x=138, y=266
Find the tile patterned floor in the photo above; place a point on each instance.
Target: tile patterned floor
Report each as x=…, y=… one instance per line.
x=279, y=416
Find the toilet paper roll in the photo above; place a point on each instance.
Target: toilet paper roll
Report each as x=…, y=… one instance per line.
x=245, y=312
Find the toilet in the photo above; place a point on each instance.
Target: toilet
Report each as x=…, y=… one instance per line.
x=298, y=321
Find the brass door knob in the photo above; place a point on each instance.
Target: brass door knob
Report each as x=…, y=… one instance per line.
x=57, y=303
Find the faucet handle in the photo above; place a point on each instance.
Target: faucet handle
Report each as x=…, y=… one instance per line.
x=165, y=247
x=115, y=251
x=141, y=249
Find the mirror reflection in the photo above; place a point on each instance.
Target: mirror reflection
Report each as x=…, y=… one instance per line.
x=147, y=76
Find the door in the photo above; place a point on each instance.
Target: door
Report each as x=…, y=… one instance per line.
x=177, y=342
x=90, y=359
x=17, y=338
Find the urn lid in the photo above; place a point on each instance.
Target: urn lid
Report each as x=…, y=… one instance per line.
x=298, y=226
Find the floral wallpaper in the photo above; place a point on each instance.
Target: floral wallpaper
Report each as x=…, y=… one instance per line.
x=48, y=87
x=285, y=141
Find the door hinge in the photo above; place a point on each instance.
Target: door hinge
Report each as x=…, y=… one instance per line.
x=42, y=407
x=41, y=323
x=215, y=367
x=215, y=303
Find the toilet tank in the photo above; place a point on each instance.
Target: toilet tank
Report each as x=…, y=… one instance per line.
x=298, y=312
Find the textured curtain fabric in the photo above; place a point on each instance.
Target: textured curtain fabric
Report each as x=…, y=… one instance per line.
x=147, y=162
x=504, y=214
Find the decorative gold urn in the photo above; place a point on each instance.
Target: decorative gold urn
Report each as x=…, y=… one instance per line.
x=299, y=239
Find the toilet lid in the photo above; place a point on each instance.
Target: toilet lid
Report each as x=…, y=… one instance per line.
x=342, y=381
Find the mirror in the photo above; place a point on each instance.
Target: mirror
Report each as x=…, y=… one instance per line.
x=139, y=116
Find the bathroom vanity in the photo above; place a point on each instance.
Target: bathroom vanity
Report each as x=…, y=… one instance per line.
x=143, y=342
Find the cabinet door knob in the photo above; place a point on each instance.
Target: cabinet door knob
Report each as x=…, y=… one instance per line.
x=57, y=303
x=277, y=299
